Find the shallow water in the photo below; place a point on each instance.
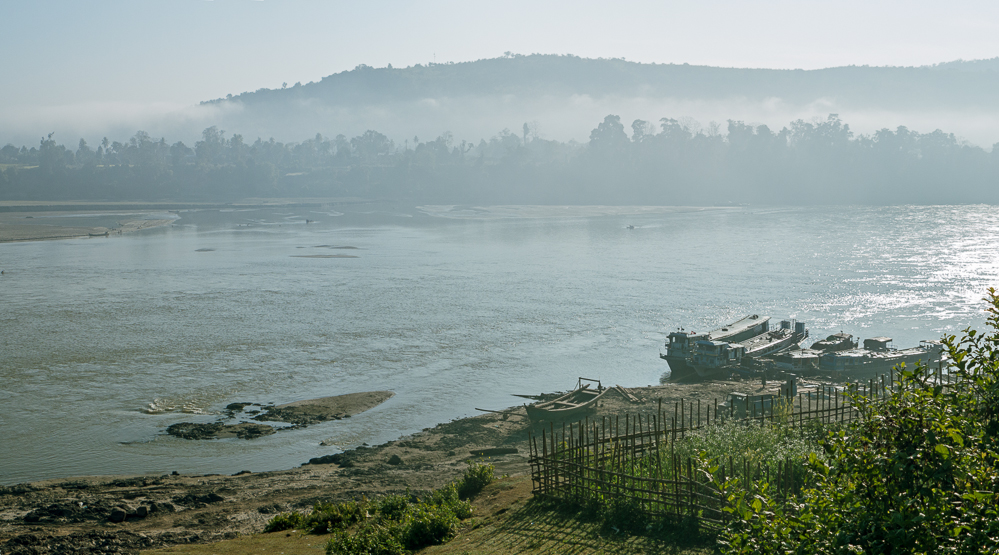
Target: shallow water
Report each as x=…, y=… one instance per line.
x=107, y=341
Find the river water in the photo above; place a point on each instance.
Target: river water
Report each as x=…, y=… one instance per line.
x=104, y=342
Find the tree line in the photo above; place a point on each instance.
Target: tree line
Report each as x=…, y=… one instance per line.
x=670, y=162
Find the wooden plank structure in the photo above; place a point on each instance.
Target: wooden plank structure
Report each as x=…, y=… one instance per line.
x=636, y=461
x=572, y=405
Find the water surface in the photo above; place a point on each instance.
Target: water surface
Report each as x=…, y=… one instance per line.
x=107, y=341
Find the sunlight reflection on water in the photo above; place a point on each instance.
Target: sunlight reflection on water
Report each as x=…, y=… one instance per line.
x=107, y=342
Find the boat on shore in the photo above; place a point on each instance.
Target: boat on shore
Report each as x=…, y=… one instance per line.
x=680, y=344
x=878, y=356
x=805, y=362
x=718, y=359
x=571, y=405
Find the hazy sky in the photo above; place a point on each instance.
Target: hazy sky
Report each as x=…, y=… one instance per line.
x=184, y=51
x=128, y=57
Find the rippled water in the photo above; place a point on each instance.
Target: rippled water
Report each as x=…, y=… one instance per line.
x=107, y=341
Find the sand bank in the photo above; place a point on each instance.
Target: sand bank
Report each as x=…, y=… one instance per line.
x=43, y=226
x=299, y=414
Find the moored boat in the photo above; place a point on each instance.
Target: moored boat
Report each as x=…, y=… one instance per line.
x=571, y=405
x=717, y=359
x=680, y=344
x=878, y=356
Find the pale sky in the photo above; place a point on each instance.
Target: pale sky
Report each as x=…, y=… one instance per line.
x=131, y=56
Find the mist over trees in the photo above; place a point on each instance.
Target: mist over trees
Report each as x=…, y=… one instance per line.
x=665, y=162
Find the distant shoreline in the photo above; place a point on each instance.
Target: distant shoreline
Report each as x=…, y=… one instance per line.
x=17, y=218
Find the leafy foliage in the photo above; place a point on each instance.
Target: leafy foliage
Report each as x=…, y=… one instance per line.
x=393, y=524
x=285, y=521
x=328, y=517
x=476, y=477
x=918, y=473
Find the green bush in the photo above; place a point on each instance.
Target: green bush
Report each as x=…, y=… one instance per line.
x=918, y=473
x=448, y=497
x=369, y=540
x=401, y=523
x=393, y=507
x=428, y=524
x=284, y=521
x=477, y=476
x=330, y=517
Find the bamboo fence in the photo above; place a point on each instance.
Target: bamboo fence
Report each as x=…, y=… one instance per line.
x=635, y=462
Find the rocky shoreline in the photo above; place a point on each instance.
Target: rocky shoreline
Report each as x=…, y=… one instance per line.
x=299, y=414
x=93, y=515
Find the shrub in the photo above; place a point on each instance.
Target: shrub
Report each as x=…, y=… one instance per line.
x=330, y=517
x=284, y=521
x=370, y=540
x=393, y=507
x=428, y=524
x=918, y=473
x=477, y=476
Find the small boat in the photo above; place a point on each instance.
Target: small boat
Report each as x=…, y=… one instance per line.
x=571, y=405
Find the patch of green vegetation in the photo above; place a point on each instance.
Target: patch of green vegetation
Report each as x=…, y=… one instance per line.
x=918, y=473
x=394, y=524
x=285, y=521
x=476, y=477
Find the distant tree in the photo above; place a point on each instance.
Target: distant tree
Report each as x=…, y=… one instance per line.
x=370, y=145
x=8, y=154
x=178, y=152
x=211, y=148
x=51, y=157
x=639, y=130
x=609, y=135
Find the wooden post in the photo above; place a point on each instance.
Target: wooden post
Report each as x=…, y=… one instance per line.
x=682, y=419
x=547, y=471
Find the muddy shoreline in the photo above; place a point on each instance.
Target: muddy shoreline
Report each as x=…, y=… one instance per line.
x=120, y=514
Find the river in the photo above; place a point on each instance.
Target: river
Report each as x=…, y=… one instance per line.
x=107, y=341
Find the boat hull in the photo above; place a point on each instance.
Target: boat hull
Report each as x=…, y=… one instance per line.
x=679, y=367
x=573, y=405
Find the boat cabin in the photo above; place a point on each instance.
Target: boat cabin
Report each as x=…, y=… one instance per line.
x=802, y=361
x=717, y=354
x=681, y=343
x=878, y=344
x=835, y=342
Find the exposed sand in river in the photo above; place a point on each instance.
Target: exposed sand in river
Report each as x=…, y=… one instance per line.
x=41, y=226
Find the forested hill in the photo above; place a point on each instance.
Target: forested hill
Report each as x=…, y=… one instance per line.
x=952, y=85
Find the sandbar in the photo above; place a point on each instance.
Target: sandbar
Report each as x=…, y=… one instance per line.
x=311, y=411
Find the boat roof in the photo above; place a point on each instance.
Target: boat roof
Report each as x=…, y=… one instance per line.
x=875, y=355
x=762, y=339
x=738, y=326
x=712, y=342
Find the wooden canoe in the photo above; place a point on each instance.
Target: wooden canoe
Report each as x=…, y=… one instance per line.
x=571, y=405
